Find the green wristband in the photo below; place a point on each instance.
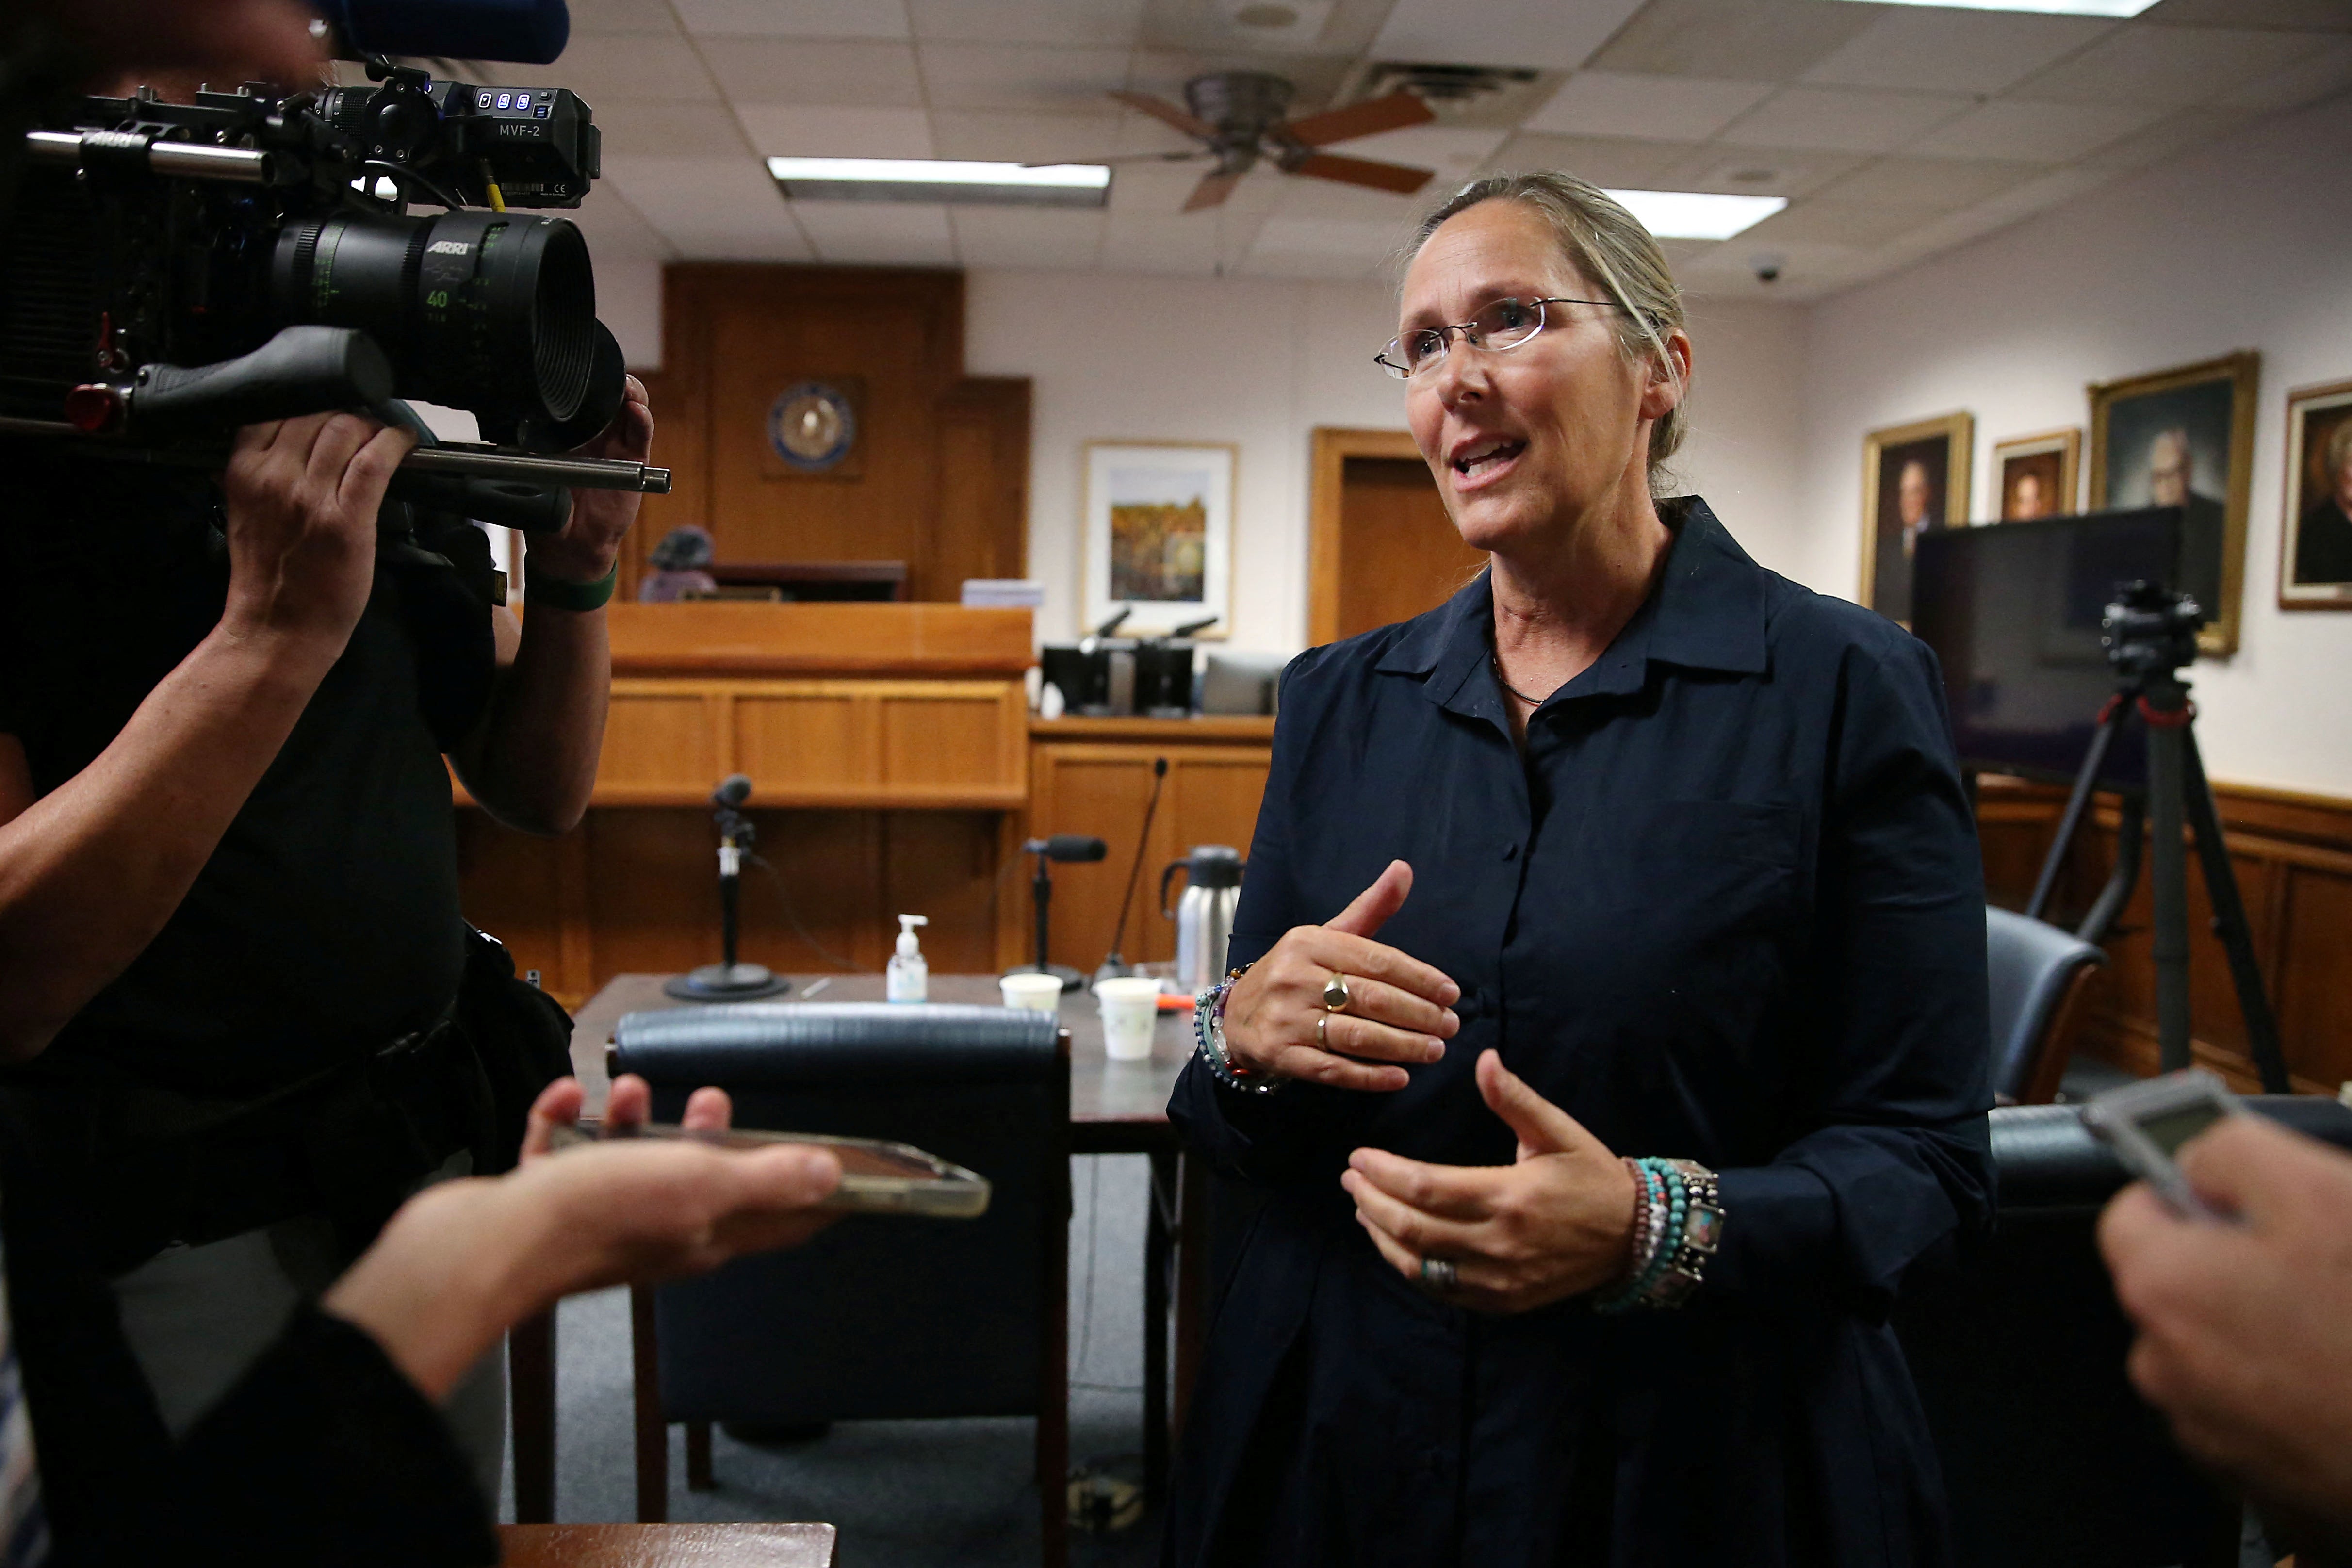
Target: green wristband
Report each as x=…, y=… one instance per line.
x=556, y=593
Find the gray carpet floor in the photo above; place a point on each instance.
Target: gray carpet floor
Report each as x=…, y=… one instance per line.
x=904, y=1494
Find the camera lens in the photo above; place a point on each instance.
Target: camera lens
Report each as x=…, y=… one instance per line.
x=491, y=311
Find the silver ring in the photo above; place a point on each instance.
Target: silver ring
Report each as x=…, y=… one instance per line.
x=1322, y=1023
x=1440, y=1274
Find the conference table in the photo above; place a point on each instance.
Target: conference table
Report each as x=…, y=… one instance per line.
x=1116, y=1108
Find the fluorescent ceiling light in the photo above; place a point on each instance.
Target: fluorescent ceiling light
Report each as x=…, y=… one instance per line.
x=1697, y=215
x=2116, y=8
x=940, y=180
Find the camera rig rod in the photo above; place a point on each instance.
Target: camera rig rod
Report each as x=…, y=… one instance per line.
x=461, y=462
x=186, y=160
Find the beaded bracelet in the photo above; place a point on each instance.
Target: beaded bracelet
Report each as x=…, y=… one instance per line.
x=1209, y=1031
x=1678, y=1227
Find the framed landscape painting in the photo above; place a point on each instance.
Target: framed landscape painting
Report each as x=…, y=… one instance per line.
x=1159, y=535
x=2185, y=438
x=1914, y=478
x=2316, y=547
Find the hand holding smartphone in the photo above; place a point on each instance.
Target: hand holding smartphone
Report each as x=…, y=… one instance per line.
x=876, y=1176
x=2146, y=1123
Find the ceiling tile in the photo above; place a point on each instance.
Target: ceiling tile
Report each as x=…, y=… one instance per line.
x=2171, y=137
x=1603, y=159
x=1842, y=119
x=2167, y=67
x=623, y=16
x=1807, y=270
x=797, y=18
x=1159, y=190
x=1296, y=196
x=606, y=66
x=1937, y=50
x=670, y=130
x=1369, y=242
x=1027, y=236
x=1305, y=267
x=1819, y=219
x=2320, y=73
x=2031, y=133
x=1342, y=28
x=1021, y=78
x=898, y=234
x=614, y=227
x=1024, y=138
x=770, y=70
x=1739, y=40
x=1065, y=24
x=1935, y=184
x=724, y=208
x=1758, y=171
x=1675, y=108
x=1186, y=246
x=830, y=131
x=2314, y=16
x=1500, y=32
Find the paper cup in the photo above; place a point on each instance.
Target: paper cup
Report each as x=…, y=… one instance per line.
x=1039, y=993
x=1130, y=1006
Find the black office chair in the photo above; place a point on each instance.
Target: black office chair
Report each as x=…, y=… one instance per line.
x=2037, y=973
x=879, y=1317
x=2050, y=1458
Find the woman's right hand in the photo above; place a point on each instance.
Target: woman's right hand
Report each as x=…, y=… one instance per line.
x=1398, y=1008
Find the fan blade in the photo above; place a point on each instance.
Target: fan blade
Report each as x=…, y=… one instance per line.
x=1394, y=177
x=1128, y=157
x=1160, y=109
x=1394, y=112
x=1212, y=190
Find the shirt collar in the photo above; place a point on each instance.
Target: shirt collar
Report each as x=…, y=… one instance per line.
x=1707, y=612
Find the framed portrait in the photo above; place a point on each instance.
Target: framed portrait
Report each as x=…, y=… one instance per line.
x=1159, y=534
x=2316, y=549
x=2185, y=438
x=2036, y=475
x=1913, y=478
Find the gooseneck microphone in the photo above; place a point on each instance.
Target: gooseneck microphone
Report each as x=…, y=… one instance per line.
x=729, y=980
x=1114, y=964
x=1066, y=847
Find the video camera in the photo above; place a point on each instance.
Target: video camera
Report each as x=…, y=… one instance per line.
x=171, y=271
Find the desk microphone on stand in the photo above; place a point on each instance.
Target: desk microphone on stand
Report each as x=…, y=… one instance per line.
x=1064, y=846
x=728, y=981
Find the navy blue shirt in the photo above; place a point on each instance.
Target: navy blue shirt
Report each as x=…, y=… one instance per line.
x=1728, y=905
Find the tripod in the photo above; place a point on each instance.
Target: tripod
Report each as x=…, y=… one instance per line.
x=2149, y=634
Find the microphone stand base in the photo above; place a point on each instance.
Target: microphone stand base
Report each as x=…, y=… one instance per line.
x=726, y=983
x=1071, y=979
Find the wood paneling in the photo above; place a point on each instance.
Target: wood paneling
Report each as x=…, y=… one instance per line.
x=942, y=477
x=1100, y=787
x=2293, y=857
x=722, y=639
x=1381, y=548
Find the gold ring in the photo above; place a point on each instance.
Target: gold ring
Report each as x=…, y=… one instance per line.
x=1335, y=993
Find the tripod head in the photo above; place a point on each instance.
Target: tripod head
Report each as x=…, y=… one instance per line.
x=2149, y=633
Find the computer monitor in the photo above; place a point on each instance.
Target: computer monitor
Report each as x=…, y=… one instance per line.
x=2012, y=610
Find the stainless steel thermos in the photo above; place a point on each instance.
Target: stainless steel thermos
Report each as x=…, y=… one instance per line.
x=1204, y=915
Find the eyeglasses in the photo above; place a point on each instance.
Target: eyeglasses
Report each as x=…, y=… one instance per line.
x=1505, y=324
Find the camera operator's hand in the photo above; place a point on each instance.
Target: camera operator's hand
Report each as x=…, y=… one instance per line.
x=302, y=497
x=591, y=540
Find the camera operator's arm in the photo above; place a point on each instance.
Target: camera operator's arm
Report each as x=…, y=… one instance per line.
x=90, y=871
x=532, y=761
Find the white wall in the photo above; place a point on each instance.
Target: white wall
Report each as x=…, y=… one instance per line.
x=1261, y=363
x=2247, y=245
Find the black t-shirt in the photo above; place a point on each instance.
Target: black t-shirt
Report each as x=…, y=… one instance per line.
x=327, y=921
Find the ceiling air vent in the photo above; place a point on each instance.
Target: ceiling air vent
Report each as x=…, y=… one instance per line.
x=1461, y=95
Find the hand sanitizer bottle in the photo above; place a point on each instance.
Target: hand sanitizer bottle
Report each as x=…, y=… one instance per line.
x=908, y=977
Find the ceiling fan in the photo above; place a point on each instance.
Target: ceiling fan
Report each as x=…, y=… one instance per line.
x=1238, y=118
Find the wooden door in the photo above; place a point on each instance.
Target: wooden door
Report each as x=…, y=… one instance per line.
x=1381, y=548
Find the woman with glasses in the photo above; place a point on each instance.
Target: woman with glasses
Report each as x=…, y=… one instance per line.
x=1606, y=1038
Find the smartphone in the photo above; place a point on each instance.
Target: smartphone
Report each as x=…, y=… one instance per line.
x=876, y=1176
x=2145, y=1124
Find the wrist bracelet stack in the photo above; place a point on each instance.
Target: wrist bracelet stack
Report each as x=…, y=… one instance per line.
x=1677, y=1226
x=1209, y=1030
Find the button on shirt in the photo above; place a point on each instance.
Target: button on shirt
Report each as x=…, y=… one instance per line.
x=1727, y=905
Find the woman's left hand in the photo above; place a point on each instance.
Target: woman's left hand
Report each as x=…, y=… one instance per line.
x=1556, y=1224
x=590, y=538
